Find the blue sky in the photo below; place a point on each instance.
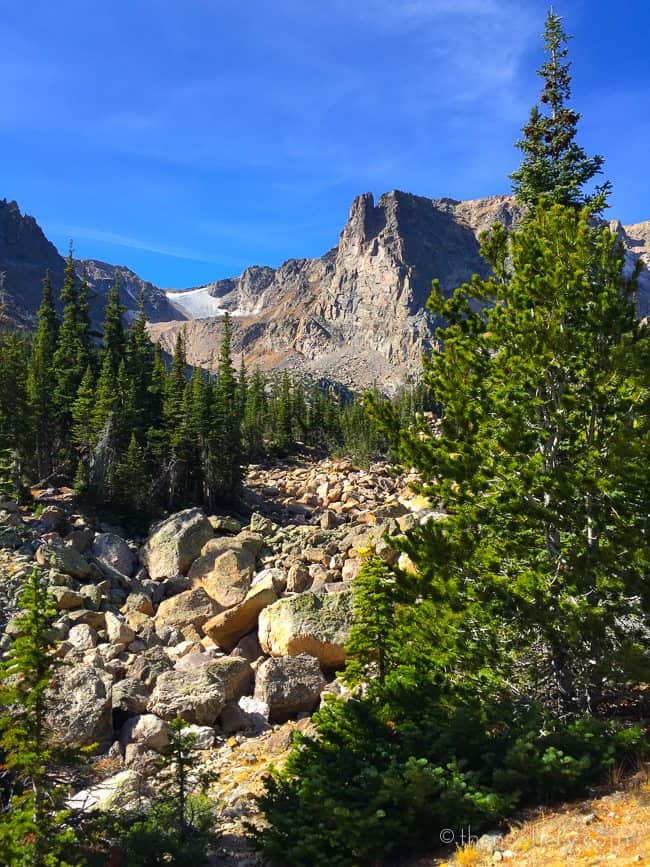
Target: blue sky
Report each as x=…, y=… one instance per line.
x=189, y=140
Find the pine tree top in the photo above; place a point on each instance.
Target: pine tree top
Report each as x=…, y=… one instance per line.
x=554, y=165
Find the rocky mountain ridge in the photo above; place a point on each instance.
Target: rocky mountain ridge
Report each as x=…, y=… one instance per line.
x=356, y=314
x=25, y=256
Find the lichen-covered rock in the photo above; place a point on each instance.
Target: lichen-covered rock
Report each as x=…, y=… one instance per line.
x=79, y=706
x=117, y=630
x=191, y=608
x=289, y=685
x=317, y=624
x=203, y=737
x=62, y=559
x=224, y=524
x=139, y=602
x=150, y=665
x=112, y=550
x=227, y=627
x=199, y=694
x=83, y=637
x=66, y=598
x=117, y=793
x=129, y=697
x=175, y=543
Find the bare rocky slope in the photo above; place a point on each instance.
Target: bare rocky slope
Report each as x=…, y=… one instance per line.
x=25, y=256
x=355, y=315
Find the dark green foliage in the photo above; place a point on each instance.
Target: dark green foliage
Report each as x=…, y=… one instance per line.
x=33, y=827
x=70, y=361
x=15, y=420
x=114, y=343
x=227, y=458
x=554, y=165
x=41, y=380
x=372, y=648
x=416, y=760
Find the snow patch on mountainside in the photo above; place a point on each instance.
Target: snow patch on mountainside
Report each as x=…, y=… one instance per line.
x=195, y=303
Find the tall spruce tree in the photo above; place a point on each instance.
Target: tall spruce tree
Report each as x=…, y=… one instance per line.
x=546, y=397
x=86, y=349
x=554, y=165
x=41, y=379
x=226, y=448
x=68, y=363
x=140, y=360
x=113, y=339
x=15, y=420
x=254, y=423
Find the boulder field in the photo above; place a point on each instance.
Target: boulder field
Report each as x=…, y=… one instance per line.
x=239, y=628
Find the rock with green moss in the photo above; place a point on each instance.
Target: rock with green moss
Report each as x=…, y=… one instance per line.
x=317, y=624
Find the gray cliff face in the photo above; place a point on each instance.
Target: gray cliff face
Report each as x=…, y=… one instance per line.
x=357, y=314
x=25, y=256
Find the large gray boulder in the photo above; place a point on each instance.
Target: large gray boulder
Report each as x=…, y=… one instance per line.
x=175, y=543
x=63, y=559
x=112, y=551
x=129, y=697
x=317, y=624
x=200, y=693
x=79, y=706
x=289, y=685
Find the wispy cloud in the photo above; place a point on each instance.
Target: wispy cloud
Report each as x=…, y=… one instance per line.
x=92, y=234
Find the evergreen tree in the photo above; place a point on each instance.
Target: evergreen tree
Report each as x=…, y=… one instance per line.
x=33, y=831
x=15, y=421
x=178, y=828
x=539, y=466
x=140, y=362
x=131, y=481
x=554, y=165
x=226, y=457
x=68, y=363
x=41, y=379
x=86, y=353
x=372, y=647
x=283, y=414
x=175, y=411
x=106, y=395
x=113, y=339
x=254, y=423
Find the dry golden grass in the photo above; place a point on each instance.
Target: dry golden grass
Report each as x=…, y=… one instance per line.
x=611, y=829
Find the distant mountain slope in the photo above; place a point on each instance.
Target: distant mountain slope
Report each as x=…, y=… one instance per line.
x=356, y=314
x=26, y=254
